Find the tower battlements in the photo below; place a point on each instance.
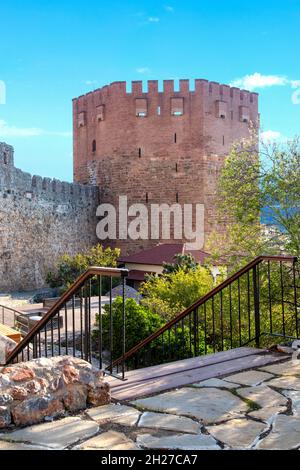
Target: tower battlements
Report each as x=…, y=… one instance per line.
x=112, y=120
x=151, y=88
x=238, y=104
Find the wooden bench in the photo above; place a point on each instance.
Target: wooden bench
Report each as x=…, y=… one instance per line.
x=10, y=333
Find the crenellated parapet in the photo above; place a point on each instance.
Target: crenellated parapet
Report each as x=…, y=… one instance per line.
x=14, y=180
x=202, y=89
x=152, y=88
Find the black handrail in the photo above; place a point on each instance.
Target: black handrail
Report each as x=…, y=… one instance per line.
x=250, y=267
x=33, y=340
x=10, y=309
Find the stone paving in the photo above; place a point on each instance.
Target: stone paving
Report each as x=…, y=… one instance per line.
x=258, y=409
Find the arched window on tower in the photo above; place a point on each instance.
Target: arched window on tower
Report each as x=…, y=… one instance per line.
x=94, y=146
x=5, y=159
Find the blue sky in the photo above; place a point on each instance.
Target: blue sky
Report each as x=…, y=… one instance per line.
x=53, y=51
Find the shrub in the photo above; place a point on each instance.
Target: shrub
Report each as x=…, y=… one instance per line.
x=176, y=343
x=140, y=323
x=70, y=267
x=172, y=292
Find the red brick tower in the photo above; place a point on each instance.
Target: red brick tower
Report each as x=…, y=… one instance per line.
x=159, y=147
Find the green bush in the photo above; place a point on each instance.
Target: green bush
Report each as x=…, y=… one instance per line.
x=170, y=293
x=140, y=323
x=69, y=268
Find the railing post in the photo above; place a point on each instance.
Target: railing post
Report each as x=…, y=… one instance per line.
x=195, y=318
x=86, y=328
x=34, y=347
x=123, y=326
x=256, y=307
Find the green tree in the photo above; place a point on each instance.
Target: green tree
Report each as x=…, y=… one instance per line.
x=250, y=181
x=169, y=294
x=70, y=267
x=186, y=262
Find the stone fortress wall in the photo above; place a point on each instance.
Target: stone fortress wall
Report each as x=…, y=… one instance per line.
x=40, y=219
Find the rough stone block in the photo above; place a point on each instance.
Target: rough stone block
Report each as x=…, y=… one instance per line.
x=47, y=387
x=5, y=418
x=35, y=409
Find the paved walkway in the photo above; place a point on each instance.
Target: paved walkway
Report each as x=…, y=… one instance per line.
x=257, y=409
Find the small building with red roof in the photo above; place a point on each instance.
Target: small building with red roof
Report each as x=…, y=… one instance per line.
x=151, y=260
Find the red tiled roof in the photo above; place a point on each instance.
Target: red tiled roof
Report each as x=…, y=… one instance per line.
x=163, y=253
x=136, y=275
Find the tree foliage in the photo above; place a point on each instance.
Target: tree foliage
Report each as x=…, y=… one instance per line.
x=70, y=267
x=182, y=261
x=169, y=294
x=252, y=180
x=140, y=323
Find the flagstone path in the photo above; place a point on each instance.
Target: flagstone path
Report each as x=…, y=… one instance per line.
x=257, y=409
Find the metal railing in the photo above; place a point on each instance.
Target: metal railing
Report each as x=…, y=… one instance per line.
x=73, y=325
x=258, y=302
x=5, y=315
x=256, y=305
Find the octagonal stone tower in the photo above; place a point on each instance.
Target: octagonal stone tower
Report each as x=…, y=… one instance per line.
x=159, y=146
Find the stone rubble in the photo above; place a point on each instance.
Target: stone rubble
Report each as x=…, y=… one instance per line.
x=41, y=388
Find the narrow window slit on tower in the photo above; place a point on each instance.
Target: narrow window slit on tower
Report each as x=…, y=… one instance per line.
x=94, y=146
x=175, y=138
x=176, y=167
x=147, y=199
x=177, y=197
x=223, y=140
x=140, y=152
x=158, y=110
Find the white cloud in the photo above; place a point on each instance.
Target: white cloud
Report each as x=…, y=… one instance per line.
x=295, y=83
x=12, y=131
x=91, y=82
x=153, y=19
x=143, y=70
x=296, y=97
x=271, y=136
x=257, y=80
x=169, y=8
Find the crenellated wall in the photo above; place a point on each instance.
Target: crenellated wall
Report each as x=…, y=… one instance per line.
x=159, y=146
x=40, y=219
